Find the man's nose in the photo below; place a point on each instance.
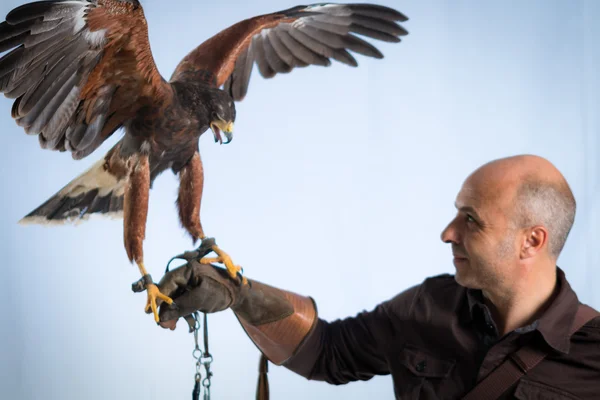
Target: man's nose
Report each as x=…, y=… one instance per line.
x=450, y=234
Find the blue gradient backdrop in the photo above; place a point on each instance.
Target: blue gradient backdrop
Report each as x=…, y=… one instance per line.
x=337, y=185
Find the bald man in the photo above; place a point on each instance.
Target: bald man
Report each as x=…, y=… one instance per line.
x=451, y=335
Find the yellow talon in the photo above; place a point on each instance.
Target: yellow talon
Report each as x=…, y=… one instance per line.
x=209, y=260
x=225, y=259
x=154, y=293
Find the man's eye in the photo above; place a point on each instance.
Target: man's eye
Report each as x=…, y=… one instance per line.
x=470, y=219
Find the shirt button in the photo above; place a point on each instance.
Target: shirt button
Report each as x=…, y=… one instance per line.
x=420, y=367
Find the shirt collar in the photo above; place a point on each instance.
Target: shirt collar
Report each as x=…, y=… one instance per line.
x=555, y=323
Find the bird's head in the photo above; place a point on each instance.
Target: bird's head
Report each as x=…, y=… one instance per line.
x=222, y=115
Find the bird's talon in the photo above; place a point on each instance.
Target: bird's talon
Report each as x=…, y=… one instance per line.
x=164, y=298
x=151, y=303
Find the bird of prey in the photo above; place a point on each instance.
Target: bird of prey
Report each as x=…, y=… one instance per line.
x=79, y=70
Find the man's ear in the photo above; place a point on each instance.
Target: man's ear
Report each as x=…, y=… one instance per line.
x=535, y=240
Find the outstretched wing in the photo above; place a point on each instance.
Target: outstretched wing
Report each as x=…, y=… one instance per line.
x=281, y=41
x=78, y=70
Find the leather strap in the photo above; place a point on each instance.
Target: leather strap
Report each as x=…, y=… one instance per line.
x=262, y=390
x=521, y=362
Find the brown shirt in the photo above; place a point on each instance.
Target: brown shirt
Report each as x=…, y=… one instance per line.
x=438, y=339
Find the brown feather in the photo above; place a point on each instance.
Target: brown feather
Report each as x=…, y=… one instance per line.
x=135, y=207
x=127, y=64
x=219, y=53
x=115, y=164
x=281, y=41
x=191, y=184
x=89, y=61
x=128, y=58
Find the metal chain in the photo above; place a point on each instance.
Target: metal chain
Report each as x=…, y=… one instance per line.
x=206, y=360
x=202, y=358
x=197, y=354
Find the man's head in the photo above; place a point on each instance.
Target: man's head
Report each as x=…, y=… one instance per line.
x=514, y=214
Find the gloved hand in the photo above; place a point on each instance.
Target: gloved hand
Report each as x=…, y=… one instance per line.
x=209, y=289
x=276, y=320
x=196, y=287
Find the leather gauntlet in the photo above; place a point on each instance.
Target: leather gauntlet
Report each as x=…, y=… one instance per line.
x=277, y=321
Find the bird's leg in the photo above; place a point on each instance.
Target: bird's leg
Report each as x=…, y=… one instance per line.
x=135, y=213
x=191, y=184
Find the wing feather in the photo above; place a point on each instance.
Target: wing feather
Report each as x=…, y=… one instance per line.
x=13, y=41
x=301, y=52
x=57, y=114
x=322, y=48
x=56, y=73
x=258, y=51
x=48, y=10
x=275, y=62
x=48, y=109
x=283, y=51
x=65, y=62
x=59, y=83
x=341, y=42
x=293, y=38
x=238, y=85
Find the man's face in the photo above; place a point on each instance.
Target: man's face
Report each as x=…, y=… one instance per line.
x=482, y=237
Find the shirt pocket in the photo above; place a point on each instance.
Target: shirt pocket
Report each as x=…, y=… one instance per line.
x=418, y=374
x=530, y=390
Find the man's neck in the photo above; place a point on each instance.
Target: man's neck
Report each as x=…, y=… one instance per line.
x=515, y=306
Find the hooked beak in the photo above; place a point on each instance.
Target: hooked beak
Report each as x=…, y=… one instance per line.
x=226, y=127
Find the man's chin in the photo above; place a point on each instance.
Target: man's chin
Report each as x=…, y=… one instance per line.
x=462, y=275
x=460, y=279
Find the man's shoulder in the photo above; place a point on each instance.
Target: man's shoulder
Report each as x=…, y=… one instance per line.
x=594, y=324
x=437, y=285
x=592, y=329
x=435, y=291
x=585, y=346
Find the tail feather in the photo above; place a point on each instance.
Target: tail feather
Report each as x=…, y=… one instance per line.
x=96, y=191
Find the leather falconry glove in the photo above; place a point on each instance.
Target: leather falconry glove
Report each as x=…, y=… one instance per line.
x=277, y=321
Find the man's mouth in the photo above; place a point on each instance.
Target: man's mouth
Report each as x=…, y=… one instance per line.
x=222, y=126
x=458, y=255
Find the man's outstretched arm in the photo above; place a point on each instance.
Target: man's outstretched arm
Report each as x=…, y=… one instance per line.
x=284, y=325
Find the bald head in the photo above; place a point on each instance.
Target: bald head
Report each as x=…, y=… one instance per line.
x=533, y=192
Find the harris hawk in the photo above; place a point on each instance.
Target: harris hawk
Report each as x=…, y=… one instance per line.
x=79, y=70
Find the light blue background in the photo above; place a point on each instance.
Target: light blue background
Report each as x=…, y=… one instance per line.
x=336, y=185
